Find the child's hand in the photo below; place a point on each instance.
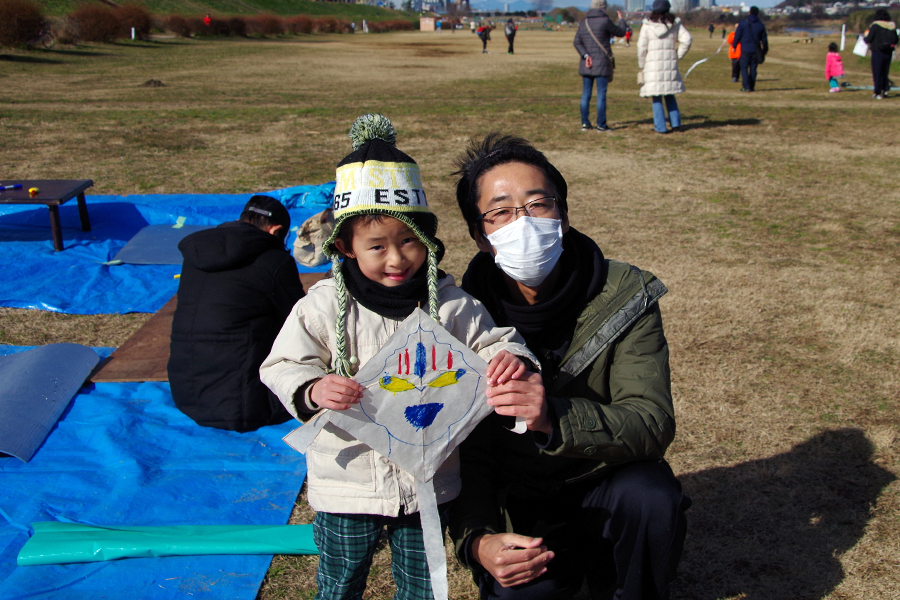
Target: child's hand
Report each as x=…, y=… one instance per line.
x=503, y=367
x=336, y=392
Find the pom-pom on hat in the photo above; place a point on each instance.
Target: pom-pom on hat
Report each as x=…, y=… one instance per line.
x=378, y=179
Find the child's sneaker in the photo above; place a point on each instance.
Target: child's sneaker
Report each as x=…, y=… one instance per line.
x=586, y=126
x=833, y=90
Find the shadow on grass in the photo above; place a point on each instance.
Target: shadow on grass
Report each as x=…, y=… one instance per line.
x=74, y=52
x=701, y=123
x=787, y=89
x=32, y=60
x=774, y=529
x=705, y=123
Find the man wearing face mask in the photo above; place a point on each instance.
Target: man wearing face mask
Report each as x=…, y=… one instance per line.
x=585, y=494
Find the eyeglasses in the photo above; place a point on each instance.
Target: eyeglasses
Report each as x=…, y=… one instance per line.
x=541, y=208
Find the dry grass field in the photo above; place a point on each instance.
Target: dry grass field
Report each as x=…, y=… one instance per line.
x=773, y=218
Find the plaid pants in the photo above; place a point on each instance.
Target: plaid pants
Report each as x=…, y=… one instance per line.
x=347, y=544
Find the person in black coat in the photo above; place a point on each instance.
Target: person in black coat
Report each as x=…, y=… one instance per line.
x=754, y=42
x=882, y=40
x=238, y=284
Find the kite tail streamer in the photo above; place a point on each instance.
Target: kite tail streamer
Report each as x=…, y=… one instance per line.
x=433, y=538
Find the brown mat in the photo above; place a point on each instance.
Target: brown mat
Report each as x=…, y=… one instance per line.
x=143, y=356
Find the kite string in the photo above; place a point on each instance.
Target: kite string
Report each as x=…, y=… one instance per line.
x=703, y=60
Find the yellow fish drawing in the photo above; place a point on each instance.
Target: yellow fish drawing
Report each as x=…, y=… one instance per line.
x=449, y=378
x=395, y=385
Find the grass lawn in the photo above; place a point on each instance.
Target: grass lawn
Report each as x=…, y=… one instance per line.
x=773, y=218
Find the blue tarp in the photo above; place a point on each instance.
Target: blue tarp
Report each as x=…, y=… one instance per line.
x=76, y=281
x=36, y=387
x=122, y=454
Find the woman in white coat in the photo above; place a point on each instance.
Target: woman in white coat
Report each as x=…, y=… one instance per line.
x=658, y=59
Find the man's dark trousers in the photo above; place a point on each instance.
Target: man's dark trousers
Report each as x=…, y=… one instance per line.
x=749, y=62
x=624, y=532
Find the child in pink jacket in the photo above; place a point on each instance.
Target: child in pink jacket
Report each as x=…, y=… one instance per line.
x=834, y=68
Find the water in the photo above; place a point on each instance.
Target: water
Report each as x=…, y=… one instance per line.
x=813, y=30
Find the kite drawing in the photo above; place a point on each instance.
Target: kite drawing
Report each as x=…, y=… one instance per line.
x=424, y=393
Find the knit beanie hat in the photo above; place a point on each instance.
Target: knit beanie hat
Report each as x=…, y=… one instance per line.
x=601, y=4
x=660, y=6
x=378, y=179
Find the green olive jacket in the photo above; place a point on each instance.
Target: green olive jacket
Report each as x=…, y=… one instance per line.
x=610, y=404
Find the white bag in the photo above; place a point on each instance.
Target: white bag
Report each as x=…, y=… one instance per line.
x=861, y=46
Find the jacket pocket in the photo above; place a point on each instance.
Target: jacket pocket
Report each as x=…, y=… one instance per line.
x=337, y=460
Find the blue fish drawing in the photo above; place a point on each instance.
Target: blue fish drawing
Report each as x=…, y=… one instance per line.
x=421, y=416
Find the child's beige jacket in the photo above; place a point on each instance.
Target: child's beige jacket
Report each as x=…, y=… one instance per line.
x=345, y=475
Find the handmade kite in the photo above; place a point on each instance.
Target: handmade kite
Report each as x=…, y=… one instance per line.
x=424, y=393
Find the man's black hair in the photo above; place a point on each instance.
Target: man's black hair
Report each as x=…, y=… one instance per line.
x=264, y=211
x=497, y=149
x=754, y=11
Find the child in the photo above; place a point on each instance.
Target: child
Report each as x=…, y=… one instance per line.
x=734, y=54
x=385, y=233
x=834, y=68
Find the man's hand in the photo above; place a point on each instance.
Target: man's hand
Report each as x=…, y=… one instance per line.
x=589, y=62
x=523, y=397
x=503, y=367
x=510, y=558
x=336, y=392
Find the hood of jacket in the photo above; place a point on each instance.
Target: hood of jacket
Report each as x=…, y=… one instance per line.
x=229, y=246
x=661, y=30
x=885, y=24
x=595, y=12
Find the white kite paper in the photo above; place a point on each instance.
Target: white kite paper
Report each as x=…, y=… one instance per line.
x=424, y=393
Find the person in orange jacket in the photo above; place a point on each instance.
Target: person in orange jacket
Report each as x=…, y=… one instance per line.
x=735, y=55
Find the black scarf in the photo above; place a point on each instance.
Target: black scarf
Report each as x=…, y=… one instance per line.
x=547, y=326
x=395, y=302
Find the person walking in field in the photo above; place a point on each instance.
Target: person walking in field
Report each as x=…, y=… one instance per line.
x=834, y=68
x=510, y=31
x=751, y=35
x=882, y=40
x=597, y=62
x=662, y=42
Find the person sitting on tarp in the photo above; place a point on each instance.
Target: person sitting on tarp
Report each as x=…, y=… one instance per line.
x=238, y=284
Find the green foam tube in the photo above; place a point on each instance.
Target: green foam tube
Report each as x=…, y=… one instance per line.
x=56, y=543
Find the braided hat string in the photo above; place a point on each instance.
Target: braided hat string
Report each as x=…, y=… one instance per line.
x=341, y=363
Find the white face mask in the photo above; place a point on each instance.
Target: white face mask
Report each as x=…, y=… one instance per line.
x=528, y=248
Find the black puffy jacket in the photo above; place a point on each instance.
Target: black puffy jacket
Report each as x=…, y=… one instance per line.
x=882, y=37
x=238, y=284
